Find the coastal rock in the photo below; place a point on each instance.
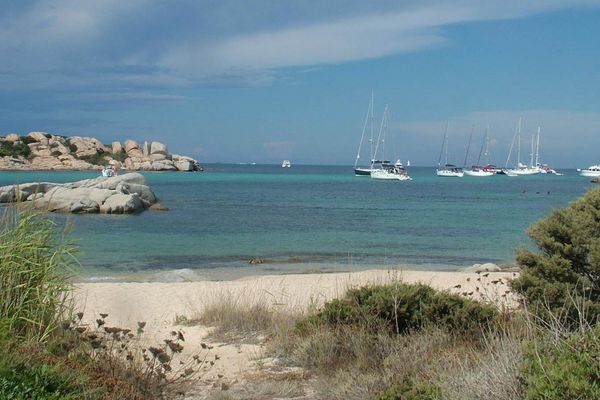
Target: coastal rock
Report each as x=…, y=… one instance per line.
x=122, y=194
x=116, y=147
x=86, y=146
x=158, y=148
x=12, y=137
x=146, y=149
x=39, y=137
x=130, y=145
x=184, y=165
x=486, y=267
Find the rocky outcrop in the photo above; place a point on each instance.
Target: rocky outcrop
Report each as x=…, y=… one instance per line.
x=44, y=151
x=486, y=267
x=124, y=194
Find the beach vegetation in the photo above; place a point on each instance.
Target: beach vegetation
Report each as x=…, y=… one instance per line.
x=400, y=308
x=563, y=276
x=119, y=156
x=50, y=351
x=9, y=149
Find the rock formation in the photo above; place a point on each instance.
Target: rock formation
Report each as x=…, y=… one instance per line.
x=124, y=194
x=44, y=151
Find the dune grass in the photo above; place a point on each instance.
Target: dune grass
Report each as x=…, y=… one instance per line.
x=35, y=266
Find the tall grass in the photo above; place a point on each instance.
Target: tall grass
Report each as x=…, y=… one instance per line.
x=35, y=265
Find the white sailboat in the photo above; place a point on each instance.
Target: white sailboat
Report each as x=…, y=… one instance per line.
x=448, y=170
x=286, y=164
x=477, y=170
x=366, y=170
x=543, y=168
x=386, y=171
x=521, y=169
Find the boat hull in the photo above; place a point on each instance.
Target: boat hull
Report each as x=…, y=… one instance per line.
x=389, y=176
x=589, y=174
x=478, y=173
x=362, y=171
x=523, y=171
x=449, y=174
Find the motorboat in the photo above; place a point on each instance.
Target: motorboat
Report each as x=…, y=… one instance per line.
x=592, y=171
x=286, y=164
x=108, y=171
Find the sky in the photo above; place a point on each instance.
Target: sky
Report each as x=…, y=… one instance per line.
x=265, y=80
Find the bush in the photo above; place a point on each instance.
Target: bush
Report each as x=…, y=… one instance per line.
x=401, y=308
x=567, y=368
x=408, y=390
x=14, y=150
x=34, y=269
x=71, y=146
x=95, y=159
x=565, y=273
x=120, y=156
x=28, y=140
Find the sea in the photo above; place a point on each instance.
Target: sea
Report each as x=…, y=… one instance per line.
x=309, y=219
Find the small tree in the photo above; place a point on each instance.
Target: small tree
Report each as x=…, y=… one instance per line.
x=562, y=279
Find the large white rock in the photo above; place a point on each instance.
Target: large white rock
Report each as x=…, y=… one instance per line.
x=39, y=137
x=12, y=137
x=158, y=148
x=120, y=194
x=116, y=147
x=130, y=145
x=146, y=149
x=487, y=267
x=184, y=165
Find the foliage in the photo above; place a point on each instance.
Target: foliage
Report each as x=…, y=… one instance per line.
x=120, y=156
x=566, y=270
x=401, y=308
x=14, y=150
x=34, y=268
x=408, y=390
x=567, y=368
x=95, y=159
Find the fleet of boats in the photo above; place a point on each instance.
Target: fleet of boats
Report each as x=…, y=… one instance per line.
x=380, y=168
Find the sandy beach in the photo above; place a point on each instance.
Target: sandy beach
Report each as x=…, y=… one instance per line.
x=162, y=305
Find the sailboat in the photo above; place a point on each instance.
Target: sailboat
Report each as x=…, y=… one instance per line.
x=477, y=170
x=521, y=169
x=386, y=171
x=448, y=170
x=543, y=168
x=365, y=171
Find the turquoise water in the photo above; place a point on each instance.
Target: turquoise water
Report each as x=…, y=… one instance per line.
x=312, y=218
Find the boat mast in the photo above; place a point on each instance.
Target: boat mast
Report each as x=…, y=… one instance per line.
x=537, y=149
x=512, y=144
x=383, y=119
x=519, y=145
x=443, y=144
x=469, y=147
x=369, y=113
x=483, y=145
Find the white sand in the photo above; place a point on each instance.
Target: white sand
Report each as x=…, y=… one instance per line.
x=159, y=303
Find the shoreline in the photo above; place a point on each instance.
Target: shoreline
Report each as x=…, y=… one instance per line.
x=248, y=271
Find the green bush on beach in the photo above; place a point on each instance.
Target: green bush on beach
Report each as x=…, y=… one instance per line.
x=563, y=279
x=400, y=308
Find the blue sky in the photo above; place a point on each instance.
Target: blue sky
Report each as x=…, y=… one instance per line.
x=239, y=81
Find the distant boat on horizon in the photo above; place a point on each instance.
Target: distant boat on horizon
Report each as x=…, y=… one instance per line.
x=448, y=170
x=286, y=164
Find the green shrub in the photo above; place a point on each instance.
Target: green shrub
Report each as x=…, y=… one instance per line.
x=34, y=269
x=565, y=274
x=565, y=369
x=120, y=156
x=408, y=390
x=71, y=146
x=401, y=308
x=14, y=150
x=95, y=159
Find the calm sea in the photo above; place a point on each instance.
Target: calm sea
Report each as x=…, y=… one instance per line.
x=310, y=218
